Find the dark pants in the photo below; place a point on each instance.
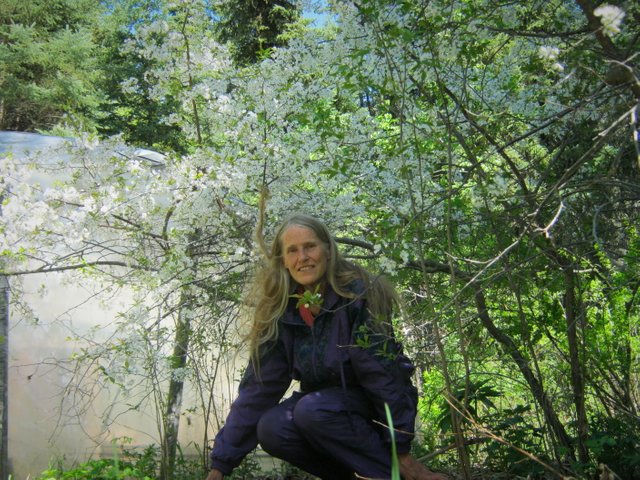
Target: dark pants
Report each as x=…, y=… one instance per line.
x=327, y=433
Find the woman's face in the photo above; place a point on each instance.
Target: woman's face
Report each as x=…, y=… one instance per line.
x=304, y=255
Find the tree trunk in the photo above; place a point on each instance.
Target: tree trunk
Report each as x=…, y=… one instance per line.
x=571, y=309
x=534, y=383
x=174, y=398
x=4, y=377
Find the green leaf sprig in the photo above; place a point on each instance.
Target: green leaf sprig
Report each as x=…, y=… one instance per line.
x=309, y=299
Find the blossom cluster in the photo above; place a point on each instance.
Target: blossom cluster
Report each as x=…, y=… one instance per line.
x=611, y=18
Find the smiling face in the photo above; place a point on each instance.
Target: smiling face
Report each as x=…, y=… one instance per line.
x=304, y=256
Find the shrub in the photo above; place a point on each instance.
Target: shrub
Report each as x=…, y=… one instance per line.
x=103, y=469
x=615, y=442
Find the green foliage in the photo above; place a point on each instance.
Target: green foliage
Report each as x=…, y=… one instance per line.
x=469, y=398
x=47, y=59
x=615, y=442
x=395, y=466
x=133, y=106
x=249, y=467
x=517, y=426
x=128, y=464
x=105, y=469
x=144, y=465
x=430, y=408
x=308, y=298
x=255, y=27
x=135, y=114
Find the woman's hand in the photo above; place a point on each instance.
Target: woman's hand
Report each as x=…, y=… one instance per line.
x=215, y=475
x=411, y=469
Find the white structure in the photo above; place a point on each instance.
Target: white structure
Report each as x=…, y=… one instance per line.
x=39, y=348
x=41, y=344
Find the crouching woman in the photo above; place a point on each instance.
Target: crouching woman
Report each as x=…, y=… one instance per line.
x=325, y=322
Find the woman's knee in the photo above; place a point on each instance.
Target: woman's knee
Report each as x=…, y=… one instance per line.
x=314, y=410
x=268, y=430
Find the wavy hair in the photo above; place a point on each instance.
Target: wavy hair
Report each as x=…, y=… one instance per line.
x=272, y=285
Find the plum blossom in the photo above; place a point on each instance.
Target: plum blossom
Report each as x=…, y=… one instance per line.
x=130, y=86
x=388, y=265
x=610, y=17
x=550, y=55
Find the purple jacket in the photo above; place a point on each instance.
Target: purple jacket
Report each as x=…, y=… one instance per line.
x=341, y=349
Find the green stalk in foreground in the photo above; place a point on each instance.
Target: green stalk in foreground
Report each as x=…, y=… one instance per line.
x=395, y=466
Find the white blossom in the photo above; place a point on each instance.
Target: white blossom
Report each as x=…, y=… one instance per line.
x=548, y=53
x=388, y=265
x=550, y=56
x=611, y=18
x=130, y=86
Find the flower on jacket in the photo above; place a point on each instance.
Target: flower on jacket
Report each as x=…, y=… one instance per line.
x=309, y=299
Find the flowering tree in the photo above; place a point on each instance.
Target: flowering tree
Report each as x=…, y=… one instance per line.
x=496, y=124
x=466, y=141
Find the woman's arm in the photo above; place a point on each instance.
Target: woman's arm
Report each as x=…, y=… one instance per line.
x=385, y=373
x=257, y=393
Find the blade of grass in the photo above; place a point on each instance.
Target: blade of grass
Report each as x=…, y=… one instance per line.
x=395, y=466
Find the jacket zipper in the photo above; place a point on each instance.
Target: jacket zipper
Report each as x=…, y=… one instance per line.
x=313, y=349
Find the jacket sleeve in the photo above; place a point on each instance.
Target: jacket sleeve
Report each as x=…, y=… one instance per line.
x=384, y=372
x=256, y=395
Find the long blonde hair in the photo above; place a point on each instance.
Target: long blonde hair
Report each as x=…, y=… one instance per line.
x=272, y=284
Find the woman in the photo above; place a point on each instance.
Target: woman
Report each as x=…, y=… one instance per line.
x=323, y=321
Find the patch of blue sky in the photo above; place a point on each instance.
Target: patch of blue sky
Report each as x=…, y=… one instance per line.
x=316, y=11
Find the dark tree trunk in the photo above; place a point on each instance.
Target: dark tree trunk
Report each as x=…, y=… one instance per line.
x=534, y=383
x=572, y=310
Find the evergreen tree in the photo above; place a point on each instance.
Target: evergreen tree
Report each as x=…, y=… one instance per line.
x=253, y=27
x=48, y=71
x=133, y=111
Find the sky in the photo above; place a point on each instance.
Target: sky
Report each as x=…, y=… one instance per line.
x=310, y=9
